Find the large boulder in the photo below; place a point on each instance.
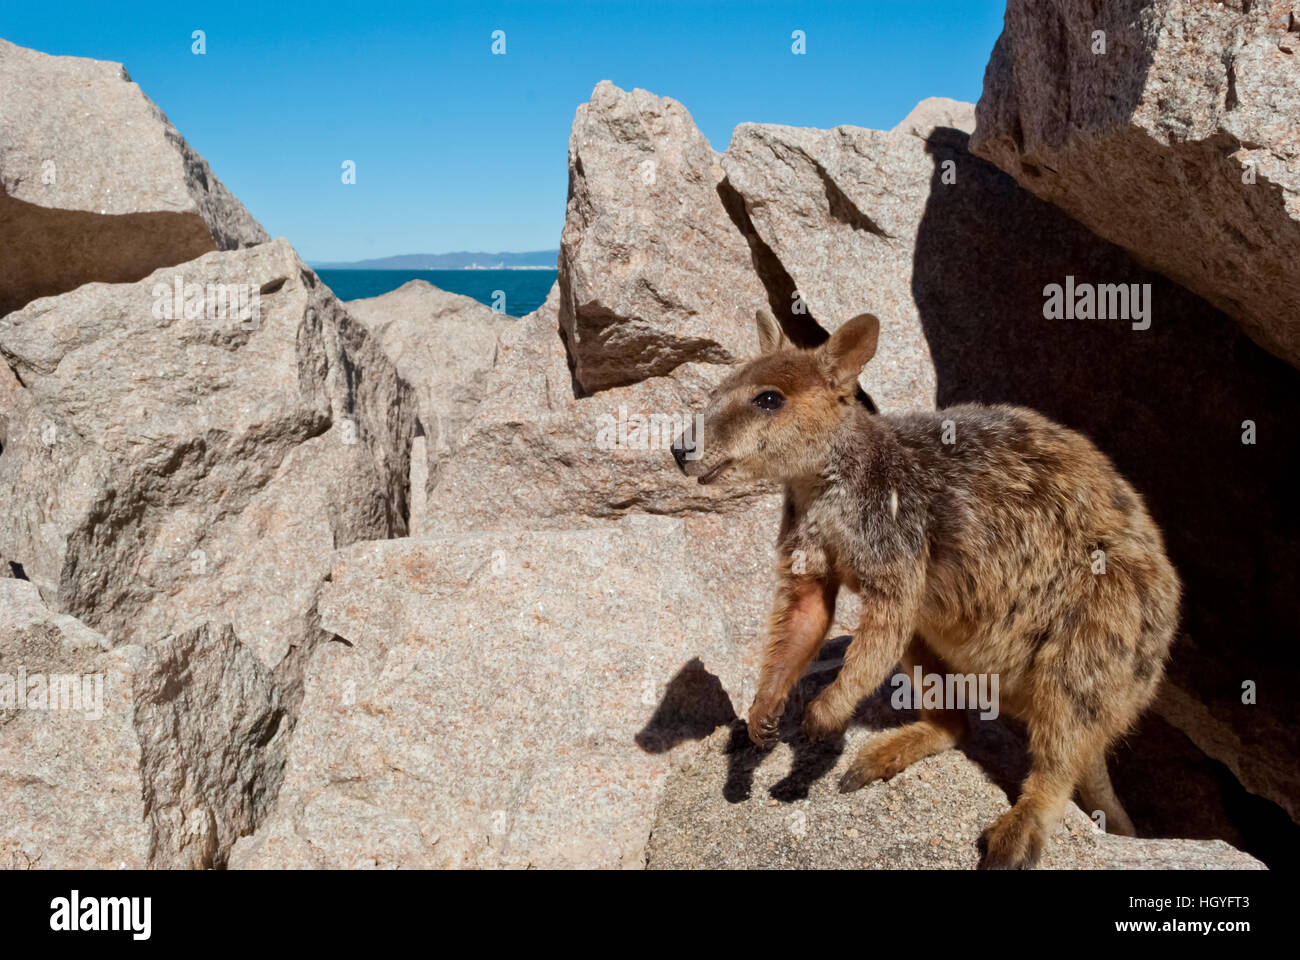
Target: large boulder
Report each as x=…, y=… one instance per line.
x=70, y=775
x=729, y=806
x=653, y=272
x=840, y=209
x=178, y=475
x=95, y=183
x=171, y=467
x=155, y=755
x=502, y=699
x=443, y=344
x=1170, y=127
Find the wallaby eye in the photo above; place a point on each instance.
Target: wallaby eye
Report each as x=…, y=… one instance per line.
x=769, y=400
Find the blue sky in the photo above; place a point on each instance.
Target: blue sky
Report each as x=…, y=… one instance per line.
x=458, y=149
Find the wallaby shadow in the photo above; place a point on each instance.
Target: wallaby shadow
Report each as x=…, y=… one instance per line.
x=990, y=745
x=1170, y=405
x=694, y=704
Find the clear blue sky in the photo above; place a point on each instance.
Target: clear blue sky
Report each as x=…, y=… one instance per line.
x=457, y=149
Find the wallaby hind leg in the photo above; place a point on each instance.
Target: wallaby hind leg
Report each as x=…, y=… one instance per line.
x=1017, y=838
x=1096, y=793
x=893, y=751
x=1062, y=751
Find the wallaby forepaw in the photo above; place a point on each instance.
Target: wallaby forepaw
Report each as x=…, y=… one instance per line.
x=1014, y=842
x=764, y=726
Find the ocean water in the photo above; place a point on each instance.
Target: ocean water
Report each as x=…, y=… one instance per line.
x=523, y=290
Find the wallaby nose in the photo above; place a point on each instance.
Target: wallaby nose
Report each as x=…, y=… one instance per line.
x=681, y=451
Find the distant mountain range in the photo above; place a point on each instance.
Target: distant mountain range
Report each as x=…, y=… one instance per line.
x=451, y=261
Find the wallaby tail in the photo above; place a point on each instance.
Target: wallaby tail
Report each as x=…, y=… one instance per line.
x=1096, y=793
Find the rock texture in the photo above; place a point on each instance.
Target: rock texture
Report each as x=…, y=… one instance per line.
x=653, y=272
x=1179, y=142
x=169, y=470
x=840, y=209
x=69, y=778
x=95, y=183
x=730, y=806
x=443, y=344
x=214, y=725
x=178, y=481
x=173, y=750
x=503, y=699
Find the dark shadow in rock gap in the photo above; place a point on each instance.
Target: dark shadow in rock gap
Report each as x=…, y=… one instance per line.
x=1167, y=404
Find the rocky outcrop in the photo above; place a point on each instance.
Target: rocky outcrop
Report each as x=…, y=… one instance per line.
x=155, y=755
x=653, y=272
x=443, y=344
x=503, y=699
x=96, y=184
x=1169, y=127
x=840, y=210
x=179, y=473
x=189, y=462
x=549, y=673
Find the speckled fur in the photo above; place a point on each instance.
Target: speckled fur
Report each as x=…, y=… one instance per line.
x=975, y=556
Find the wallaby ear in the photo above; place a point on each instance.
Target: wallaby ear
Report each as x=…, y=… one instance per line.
x=843, y=356
x=770, y=335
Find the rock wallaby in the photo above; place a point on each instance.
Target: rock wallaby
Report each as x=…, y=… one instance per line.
x=981, y=539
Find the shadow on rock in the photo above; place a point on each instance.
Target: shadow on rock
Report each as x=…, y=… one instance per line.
x=693, y=706
x=812, y=759
x=1169, y=405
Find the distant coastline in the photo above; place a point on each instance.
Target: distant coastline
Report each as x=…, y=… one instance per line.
x=336, y=266
x=458, y=260
x=515, y=292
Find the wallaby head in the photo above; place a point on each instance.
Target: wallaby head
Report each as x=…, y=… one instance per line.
x=775, y=417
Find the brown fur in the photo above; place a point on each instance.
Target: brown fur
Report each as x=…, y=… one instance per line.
x=976, y=554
